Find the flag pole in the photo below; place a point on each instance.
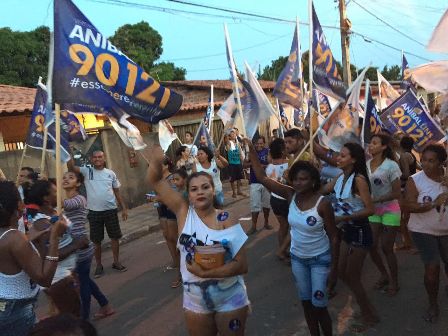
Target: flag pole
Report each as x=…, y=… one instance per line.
x=58, y=157
x=21, y=162
x=235, y=79
x=299, y=59
x=310, y=70
x=212, y=112
x=366, y=97
x=44, y=149
x=379, y=91
x=277, y=115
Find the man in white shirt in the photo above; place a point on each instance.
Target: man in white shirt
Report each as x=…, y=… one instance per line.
x=189, y=144
x=103, y=193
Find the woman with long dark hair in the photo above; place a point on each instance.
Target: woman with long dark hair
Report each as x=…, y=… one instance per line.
x=353, y=205
x=426, y=198
x=214, y=297
x=384, y=174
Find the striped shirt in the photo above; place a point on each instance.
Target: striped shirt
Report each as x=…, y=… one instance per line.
x=75, y=209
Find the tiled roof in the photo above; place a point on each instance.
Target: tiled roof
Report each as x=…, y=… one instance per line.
x=198, y=106
x=16, y=99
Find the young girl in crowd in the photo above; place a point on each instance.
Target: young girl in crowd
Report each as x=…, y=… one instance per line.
x=235, y=158
x=280, y=206
x=212, y=165
x=314, y=237
x=215, y=299
x=75, y=208
x=63, y=292
x=168, y=220
x=384, y=174
x=352, y=207
x=22, y=269
x=426, y=198
x=184, y=159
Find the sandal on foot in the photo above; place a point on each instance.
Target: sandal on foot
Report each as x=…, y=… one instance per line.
x=119, y=267
x=234, y=195
x=100, y=315
x=176, y=283
x=251, y=231
x=268, y=227
x=380, y=284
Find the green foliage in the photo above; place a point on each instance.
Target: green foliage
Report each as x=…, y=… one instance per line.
x=140, y=42
x=392, y=73
x=167, y=71
x=271, y=72
x=23, y=56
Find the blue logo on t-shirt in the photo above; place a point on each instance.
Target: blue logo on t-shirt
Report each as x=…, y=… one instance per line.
x=319, y=295
x=377, y=181
x=311, y=220
x=223, y=216
x=215, y=170
x=427, y=199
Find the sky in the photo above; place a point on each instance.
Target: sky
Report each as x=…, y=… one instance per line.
x=196, y=42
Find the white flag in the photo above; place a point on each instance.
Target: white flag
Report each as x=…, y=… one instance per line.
x=166, y=134
x=128, y=133
x=439, y=39
x=227, y=110
x=432, y=76
x=386, y=92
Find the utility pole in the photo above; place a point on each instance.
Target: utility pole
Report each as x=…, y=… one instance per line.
x=345, y=42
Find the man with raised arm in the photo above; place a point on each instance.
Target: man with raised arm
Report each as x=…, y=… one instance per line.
x=103, y=194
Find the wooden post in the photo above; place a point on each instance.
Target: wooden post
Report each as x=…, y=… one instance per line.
x=345, y=43
x=21, y=162
x=58, y=157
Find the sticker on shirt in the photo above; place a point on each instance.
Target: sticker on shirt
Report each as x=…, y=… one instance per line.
x=427, y=199
x=311, y=220
x=222, y=216
x=234, y=324
x=319, y=295
x=377, y=181
x=215, y=170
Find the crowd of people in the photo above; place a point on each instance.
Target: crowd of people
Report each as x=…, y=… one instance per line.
x=333, y=210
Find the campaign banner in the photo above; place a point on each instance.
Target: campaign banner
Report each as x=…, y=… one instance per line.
x=166, y=134
x=407, y=115
x=386, y=92
x=405, y=74
x=372, y=122
x=227, y=111
x=321, y=103
x=288, y=88
x=325, y=72
x=89, y=69
x=203, y=138
x=208, y=117
x=35, y=137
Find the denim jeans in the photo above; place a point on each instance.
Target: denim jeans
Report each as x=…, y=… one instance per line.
x=88, y=287
x=16, y=317
x=311, y=275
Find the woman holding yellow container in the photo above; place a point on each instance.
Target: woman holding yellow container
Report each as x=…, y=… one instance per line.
x=213, y=257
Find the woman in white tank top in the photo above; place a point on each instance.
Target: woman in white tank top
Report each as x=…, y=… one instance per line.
x=216, y=298
x=314, y=237
x=21, y=267
x=426, y=198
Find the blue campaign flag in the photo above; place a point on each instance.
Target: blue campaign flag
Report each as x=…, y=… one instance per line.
x=72, y=128
x=35, y=137
x=372, y=122
x=288, y=88
x=325, y=73
x=208, y=114
x=89, y=69
x=407, y=115
x=203, y=138
x=405, y=74
x=321, y=103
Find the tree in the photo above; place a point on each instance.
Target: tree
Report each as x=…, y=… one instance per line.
x=271, y=72
x=23, y=56
x=140, y=42
x=166, y=71
x=143, y=44
x=393, y=73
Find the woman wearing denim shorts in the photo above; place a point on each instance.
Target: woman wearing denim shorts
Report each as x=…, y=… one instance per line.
x=214, y=298
x=353, y=205
x=384, y=174
x=22, y=269
x=426, y=198
x=314, y=237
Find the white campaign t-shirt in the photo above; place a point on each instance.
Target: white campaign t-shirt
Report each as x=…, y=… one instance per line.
x=99, y=186
x=276, y=172
x=193, y=149
x=381, y=179
x=214, y=172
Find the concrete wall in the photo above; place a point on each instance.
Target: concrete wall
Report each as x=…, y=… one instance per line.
x=133, y=187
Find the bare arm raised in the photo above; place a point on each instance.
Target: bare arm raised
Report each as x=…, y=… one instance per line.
x=171, y=198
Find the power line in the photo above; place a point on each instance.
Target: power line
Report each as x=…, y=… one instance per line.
x=249, y=15
x=387, y=24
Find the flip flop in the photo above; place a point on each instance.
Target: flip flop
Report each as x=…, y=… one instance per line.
x=100, y=316
x=176, y=283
